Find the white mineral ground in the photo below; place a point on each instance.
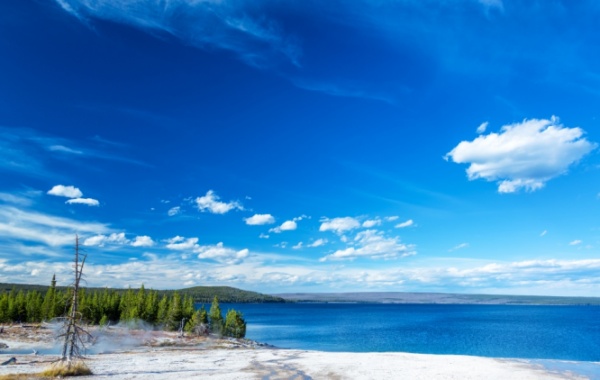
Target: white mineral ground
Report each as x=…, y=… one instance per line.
x=121, y=353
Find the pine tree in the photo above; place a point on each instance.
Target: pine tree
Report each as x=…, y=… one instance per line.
x=163, y=310
x=215, y=317
x=198, y=323
x=4, y=317
x=151, y=307
x=34, y=306
x=175, y=314
x=49, y=304
x=188, y=307
x=235, y=325
x=140, y=303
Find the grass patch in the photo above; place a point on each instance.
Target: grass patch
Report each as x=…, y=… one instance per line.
x=22, y=376
x=62, y=369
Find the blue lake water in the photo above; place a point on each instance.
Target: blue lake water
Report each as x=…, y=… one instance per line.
x=531, y=332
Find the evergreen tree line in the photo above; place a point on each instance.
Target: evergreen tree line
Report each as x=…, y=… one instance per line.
x=102, y=307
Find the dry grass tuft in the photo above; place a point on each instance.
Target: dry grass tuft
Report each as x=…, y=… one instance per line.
x=62, y=369
x=21, y=376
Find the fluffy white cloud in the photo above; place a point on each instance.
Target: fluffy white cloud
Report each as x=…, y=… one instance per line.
x=174, y=211
x=298, y=246
x=221, y=254
x=372, y=244
x=371, y=223
x=179, y=243
x=210, y=202
x=408, y=223
x=523, y=155
x=392, y=218
x=74, y=193
x=260, y=219
x=288, y=225
x=65, y=191
x=142, y=241
x=339, y=225
x=576, y=242
x=83, y=201
x=102, y=240
x=216, y=252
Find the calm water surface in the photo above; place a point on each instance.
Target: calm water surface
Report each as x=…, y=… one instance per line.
x=540, y=332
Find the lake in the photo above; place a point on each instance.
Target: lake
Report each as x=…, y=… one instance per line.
x=532, y=332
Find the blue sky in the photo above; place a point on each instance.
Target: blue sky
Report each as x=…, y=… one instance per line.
x=368, y=145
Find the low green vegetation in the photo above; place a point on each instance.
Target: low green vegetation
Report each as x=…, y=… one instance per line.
x=171, y=311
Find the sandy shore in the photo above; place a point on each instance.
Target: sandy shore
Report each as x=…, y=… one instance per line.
x=157, y=355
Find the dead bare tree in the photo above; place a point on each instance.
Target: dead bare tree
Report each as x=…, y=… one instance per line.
x=74, y=334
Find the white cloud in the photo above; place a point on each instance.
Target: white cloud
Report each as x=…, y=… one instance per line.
x=405, y=224
x=102, y=240
x=210, y=202
x=260, y=219
x=179, y=243
x=482, y=127
x=174, y=211
x=318, y=243
x=372, y=244
x=216, y=252
x=288, y=225
x=392, y=218
x=21, y=225
x=263, y=236
x=221, y=254
x=65, y=191
x=544, y=277
x=371, y=223
x=460, y=246
x=339, y=225
x=15, y=199
x=142, y=241
x=523, y=155
x=64, y=149
x=35, y=272
x=576, y=242
x=84, y=201
x=544, y=232
x=298, y=246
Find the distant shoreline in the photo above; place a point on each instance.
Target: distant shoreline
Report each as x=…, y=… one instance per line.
x=437, y=299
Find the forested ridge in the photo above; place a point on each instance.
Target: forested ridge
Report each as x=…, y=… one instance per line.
x=199, y=294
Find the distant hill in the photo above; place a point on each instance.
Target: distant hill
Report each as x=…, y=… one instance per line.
x=437, y=298
x=226, y=294
x=200, y=294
